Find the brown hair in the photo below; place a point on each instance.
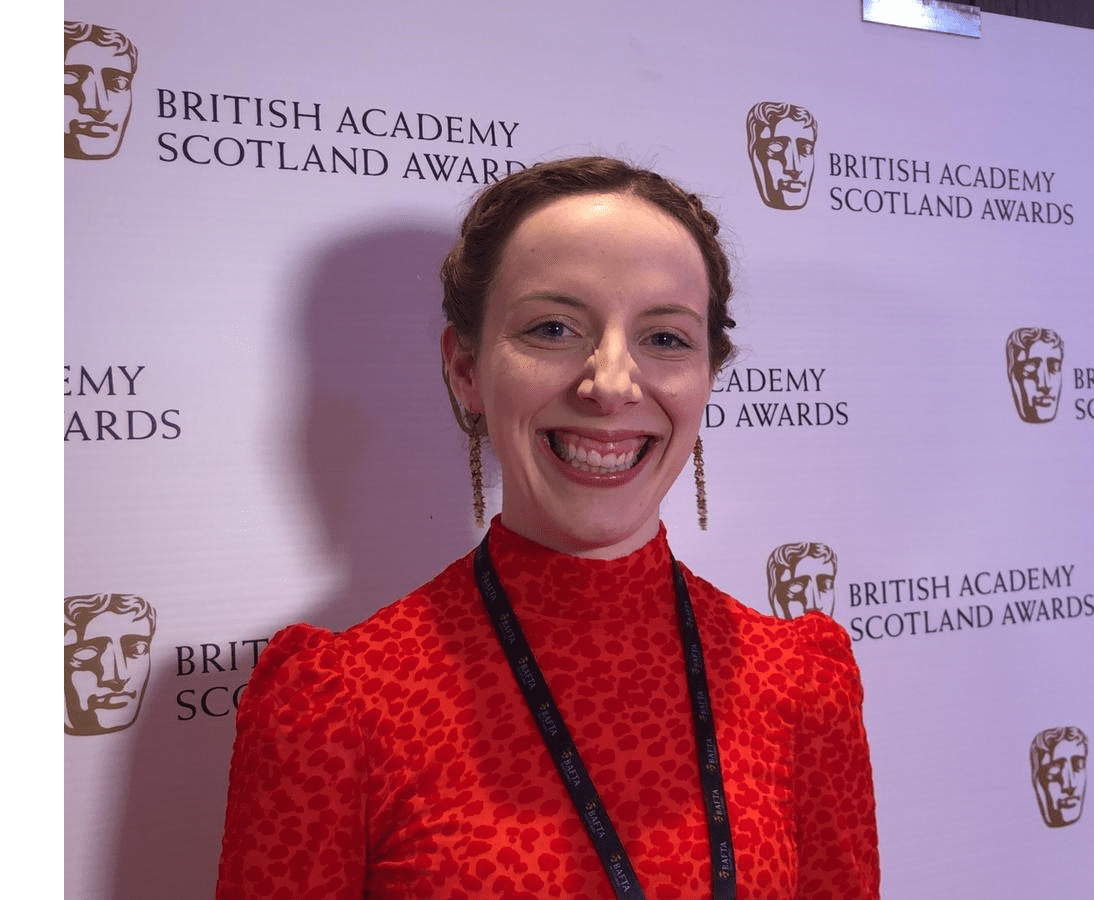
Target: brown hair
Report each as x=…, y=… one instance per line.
x=470, y=266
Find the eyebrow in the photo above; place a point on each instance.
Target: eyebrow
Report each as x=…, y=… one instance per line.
x=672, y=309
x=664, y=309
x=564, y=299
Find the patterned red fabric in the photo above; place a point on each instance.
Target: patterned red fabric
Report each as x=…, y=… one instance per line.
x=398, y=759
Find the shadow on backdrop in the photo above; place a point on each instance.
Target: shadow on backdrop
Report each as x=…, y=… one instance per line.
x=385, y=462
x=376, y=451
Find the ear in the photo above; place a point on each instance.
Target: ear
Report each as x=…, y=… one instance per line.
x=459, y=367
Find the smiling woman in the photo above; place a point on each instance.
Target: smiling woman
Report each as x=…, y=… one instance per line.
x=592, y=370
x=543, y=718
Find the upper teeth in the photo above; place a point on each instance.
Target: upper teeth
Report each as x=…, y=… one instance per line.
x=596, y=462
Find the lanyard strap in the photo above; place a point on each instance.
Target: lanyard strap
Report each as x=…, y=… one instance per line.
x=568, y=761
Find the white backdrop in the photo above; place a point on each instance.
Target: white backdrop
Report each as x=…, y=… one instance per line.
x=305, y=466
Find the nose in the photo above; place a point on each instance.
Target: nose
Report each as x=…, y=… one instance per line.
x=610, y=379
x=1068, y=777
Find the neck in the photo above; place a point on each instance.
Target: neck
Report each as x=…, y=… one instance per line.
x=605, y=543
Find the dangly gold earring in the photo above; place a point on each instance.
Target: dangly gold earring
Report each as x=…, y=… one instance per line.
x=700, y=483
x=475, y=461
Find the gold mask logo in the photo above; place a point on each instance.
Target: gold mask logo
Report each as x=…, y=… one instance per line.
x=781, y=140
x=108, y=639
x=1057, y=760
x=99, y=67
x=801, y=577
x=1035, y=368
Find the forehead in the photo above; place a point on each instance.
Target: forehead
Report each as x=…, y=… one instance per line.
x=90, y=54
x=576, y=243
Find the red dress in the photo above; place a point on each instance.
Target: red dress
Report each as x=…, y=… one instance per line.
x=398, y=759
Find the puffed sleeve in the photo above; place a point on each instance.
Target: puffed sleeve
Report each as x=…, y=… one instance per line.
x=833, y=781
x=295, y=826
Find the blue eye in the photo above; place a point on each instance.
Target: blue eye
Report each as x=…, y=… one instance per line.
x=552, y=329
x=666, y=340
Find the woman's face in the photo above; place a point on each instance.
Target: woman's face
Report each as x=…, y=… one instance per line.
x=593, y=370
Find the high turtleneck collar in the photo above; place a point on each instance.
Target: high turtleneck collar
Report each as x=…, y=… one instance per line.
x=541, y=581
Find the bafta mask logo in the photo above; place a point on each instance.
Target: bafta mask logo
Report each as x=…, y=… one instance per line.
x=781, y=138
x=1035, y=367
x=107, y=642
x=1057, y=759
x=99, y=67
x=801, y=577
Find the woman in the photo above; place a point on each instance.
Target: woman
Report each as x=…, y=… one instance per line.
x=536, y=721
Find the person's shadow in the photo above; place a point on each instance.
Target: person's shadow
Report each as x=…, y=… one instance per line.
x=377, y=452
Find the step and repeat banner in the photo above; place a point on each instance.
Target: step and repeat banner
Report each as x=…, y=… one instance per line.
x=258, y=197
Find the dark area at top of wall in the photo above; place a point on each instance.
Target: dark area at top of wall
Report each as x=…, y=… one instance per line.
x=1079, y=13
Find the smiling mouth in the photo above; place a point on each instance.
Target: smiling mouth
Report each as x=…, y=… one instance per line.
x=595, y=457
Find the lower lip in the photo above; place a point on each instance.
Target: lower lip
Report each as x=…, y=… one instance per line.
x=588, y=478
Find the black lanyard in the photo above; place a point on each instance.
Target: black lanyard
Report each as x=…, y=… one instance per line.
x=568, y=761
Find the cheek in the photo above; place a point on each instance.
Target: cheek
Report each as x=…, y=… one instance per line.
x=688, y=397
x=516, y=387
